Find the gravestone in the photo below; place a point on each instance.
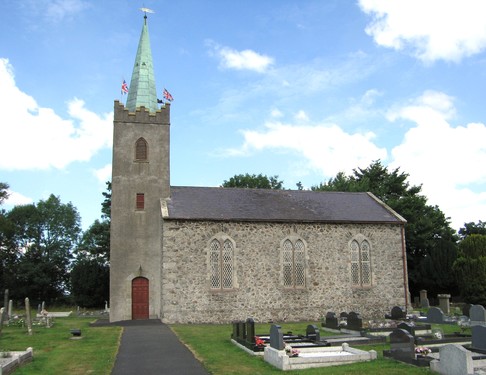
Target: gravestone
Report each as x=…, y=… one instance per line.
x=332, y=320
x=478, y=340
x=402, y=344
x=444, y=303
x=416, y=301
x=424, y=301
x=10, y=309
x=236, y=331
x=454, y=360
x=250, y=330
x=276, y=337
x=28, y=315
x=242, y=331
x=466, y=308
x=435, y=315
x=397, y=313
x=355, y=322
x=4, y=317
x=407, y=327
x=312, y=333
x=477, y=314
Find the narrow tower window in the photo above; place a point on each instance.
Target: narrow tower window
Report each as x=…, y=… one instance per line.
x=140, y=204
x=293, y=257
x=221, y=264
x=360, y=263
x=141, y=149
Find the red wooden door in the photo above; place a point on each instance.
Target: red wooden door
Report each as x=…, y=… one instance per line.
x=140, y=298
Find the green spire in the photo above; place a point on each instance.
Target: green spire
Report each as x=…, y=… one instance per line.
x=142, y=90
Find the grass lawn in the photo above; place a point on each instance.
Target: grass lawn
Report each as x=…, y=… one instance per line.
x=55, y=353
x=211, y=344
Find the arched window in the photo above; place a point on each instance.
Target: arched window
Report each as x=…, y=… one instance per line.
x=360, y=263
x=221, y=255
x=141, y=149
x=293, y=263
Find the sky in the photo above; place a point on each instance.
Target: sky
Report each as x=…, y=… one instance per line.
x=300, y=89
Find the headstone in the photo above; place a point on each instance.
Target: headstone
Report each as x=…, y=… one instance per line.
x=402, y=344
x=4, y=317
x=236, y=332
x=242, y=330
x=1, y=325
x=444, y=303
x=454, y=360
x=250, y=330
x=478, y=339
x=355, y=322
x=466, y=308
x=424, y=303
x=28, y=315
x=416, y=301
x=312, y=333
x=477, y=314
x=10, y=309
x=407, y=327
x=332, y=320
x=435, y=315
x=397, y=313
x=276, y=337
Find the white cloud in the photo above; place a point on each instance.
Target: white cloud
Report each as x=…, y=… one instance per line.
x=57, y=10
x=34, y=137
x=432, y=29
x=447, y=160
x=16, y=199
x=240, y=60
x=103, y=174
x=325, y=147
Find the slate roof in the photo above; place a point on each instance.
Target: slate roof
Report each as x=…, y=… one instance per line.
x=234, y=204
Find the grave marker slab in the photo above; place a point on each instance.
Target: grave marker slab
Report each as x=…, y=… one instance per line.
x=332, y=320
x=397, y=313
x=477, y=314
x=478, y=337
x=355, y=322
x=435, y=315
x=276, y=337
x=454, y=360
x=402, y=344
x=312, y=333
x=250, y=330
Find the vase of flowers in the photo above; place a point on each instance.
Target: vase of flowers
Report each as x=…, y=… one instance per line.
x=422, y=351
x=291, y=352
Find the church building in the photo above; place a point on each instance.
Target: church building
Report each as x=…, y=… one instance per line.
x=186, y=254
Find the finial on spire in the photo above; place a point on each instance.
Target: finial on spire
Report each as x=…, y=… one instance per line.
x=145, y=11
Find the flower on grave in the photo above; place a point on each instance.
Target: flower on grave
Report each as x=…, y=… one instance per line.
x=291, y=352
x=423, y=350
x=438, y=335
x=259, y=342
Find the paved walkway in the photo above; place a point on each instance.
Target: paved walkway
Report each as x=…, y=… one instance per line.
x=150, y=347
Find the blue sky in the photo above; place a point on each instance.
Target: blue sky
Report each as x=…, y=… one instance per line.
x=296, y=88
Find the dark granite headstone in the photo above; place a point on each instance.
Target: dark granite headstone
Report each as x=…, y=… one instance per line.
x=332, y=320
x=407, y=327
x=236, y=332
x=355, y=322
x=398, y=313
x=477, y=314
x=402, y=344
x=242, y=330
x=276, y=337
x=478, y=337
x=312, y=333
x=435, y=315
x=250, y=330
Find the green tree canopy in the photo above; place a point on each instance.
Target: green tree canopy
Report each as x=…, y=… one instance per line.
x=425, y=223
x=42, y=237
x=473, y=228
x=253, y=181
x=3, y=192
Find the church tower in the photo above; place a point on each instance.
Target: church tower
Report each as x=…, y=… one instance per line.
x=140, y=179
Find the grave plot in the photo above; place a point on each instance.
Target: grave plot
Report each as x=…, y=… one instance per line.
x=454, y=359
x=10, y=361
x=245, y=337
x=287, y=356
x=403, y=349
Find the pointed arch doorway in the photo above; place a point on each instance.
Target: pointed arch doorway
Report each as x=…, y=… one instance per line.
x=140, y=298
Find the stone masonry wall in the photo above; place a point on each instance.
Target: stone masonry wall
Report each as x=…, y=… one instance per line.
x=259, y=292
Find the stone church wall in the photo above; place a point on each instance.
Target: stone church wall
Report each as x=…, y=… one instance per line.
x=259, y=291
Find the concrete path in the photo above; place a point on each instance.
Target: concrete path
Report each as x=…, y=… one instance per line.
x=149, y=347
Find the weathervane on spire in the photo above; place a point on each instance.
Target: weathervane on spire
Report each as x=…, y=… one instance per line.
x=145, y=11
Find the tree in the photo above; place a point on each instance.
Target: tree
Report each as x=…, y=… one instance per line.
x=470, y=269
x=90, y=283
x=90, y=275
x=425, y=223
x=44, y=236
x=253, y=181
x=472, y=228
x=3, y=192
